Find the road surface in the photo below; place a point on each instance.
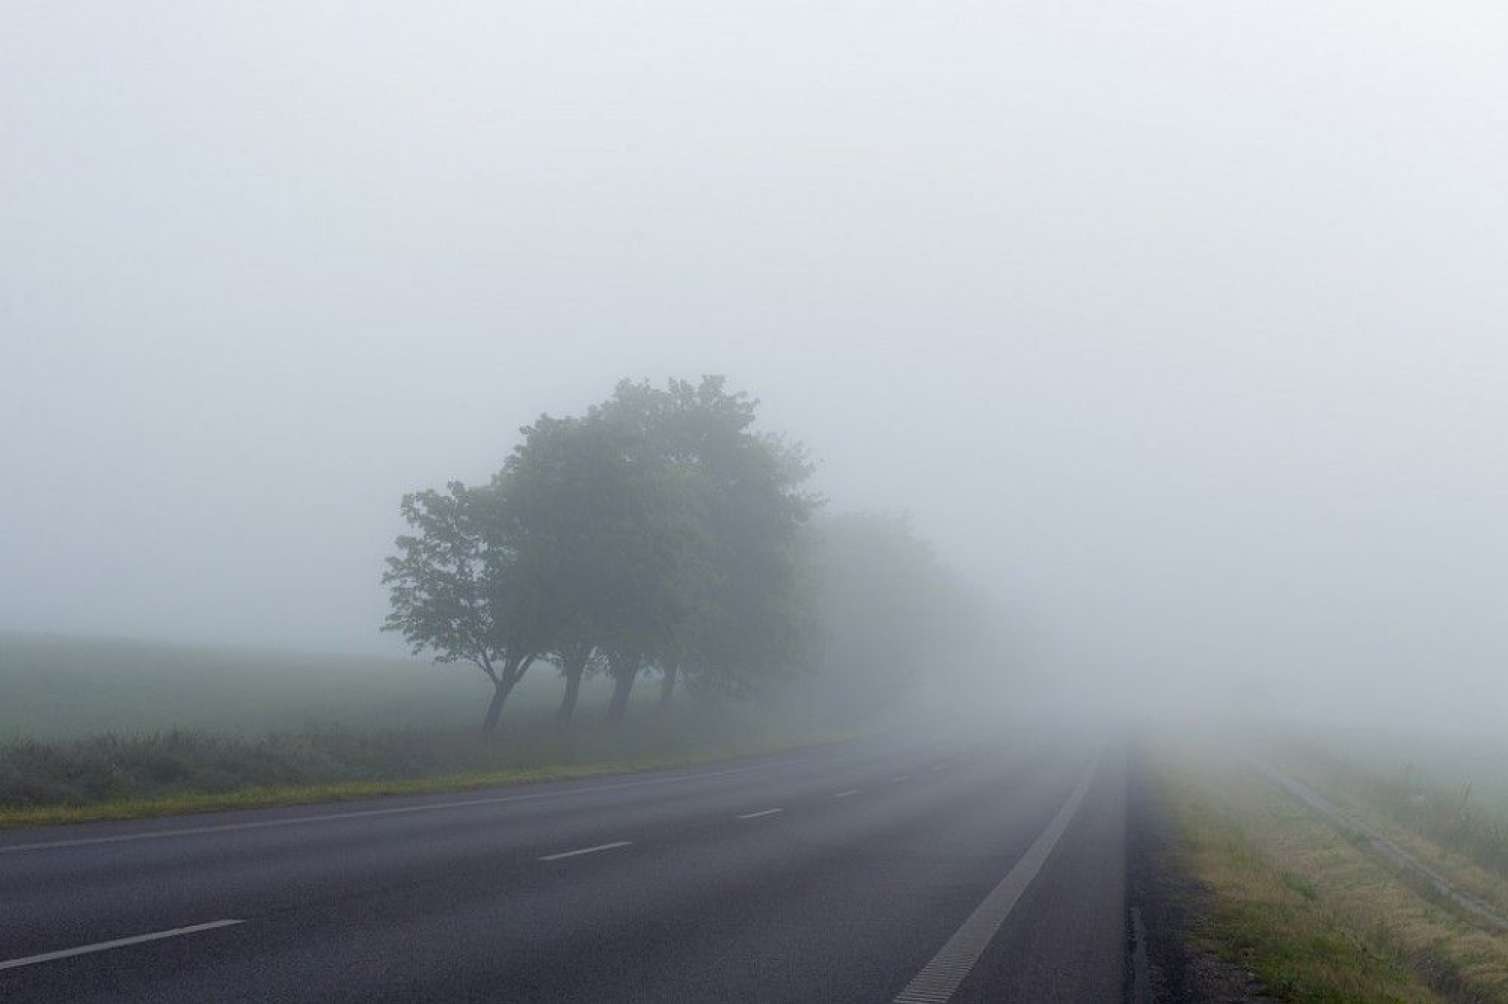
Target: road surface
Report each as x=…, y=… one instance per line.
x=872, y=871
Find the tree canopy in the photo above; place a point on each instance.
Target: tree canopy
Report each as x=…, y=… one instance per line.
x=661, y=532
x=658, y=532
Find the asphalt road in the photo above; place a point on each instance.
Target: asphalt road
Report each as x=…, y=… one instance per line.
x=928, y=871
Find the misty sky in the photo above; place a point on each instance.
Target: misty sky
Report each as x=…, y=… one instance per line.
x=1181, y=323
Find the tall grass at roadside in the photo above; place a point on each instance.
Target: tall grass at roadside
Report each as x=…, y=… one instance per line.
x=94, y=728
x=1309, y=909
x=173, y=771
x=1448, y=813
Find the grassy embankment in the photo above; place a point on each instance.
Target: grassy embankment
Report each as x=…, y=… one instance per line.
x=1449, y=810
x=190, y=798
x=195, y=730
x=1308, y=907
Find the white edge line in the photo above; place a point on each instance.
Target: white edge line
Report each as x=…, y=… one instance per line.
x=762, y=812
x=940, y=978
x=397, y=810
x=586, y=850
x=845, y=794
x=103, y=946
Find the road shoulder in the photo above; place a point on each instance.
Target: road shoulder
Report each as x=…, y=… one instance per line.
x=1167, y=905
x=1261, y=881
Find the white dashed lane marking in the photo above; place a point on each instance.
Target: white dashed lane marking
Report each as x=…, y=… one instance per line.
x=586, y=850
x=104, y=946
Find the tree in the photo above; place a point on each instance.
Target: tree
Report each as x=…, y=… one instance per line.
x=459, y=587
x=577, y=658
x=887, y=608
x=555, y=485
x=607, y=524
x=657, y=530
x=748, y=623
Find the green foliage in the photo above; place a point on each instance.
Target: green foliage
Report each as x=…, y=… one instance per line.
x=745, y=622
x=444, y=576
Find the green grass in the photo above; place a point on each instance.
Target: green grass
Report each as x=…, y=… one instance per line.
x=1314, y=915
x=268, y=796
x=104, y=729
x=114, y=777
x=1452, y=802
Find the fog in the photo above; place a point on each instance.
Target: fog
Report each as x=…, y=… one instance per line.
x=1179, y=326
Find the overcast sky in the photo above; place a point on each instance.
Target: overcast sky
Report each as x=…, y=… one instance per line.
x=1184, y=323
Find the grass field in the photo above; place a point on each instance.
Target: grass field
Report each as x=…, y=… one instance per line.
x=96, y=729
x=64, y=688
x=1310, y=908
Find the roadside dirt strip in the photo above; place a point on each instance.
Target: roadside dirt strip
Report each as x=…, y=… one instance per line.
x=1479, y=911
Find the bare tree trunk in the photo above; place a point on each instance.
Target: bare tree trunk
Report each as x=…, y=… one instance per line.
x=495, y=708
x=667, y=685
x=572, y=691
x=574, y=660
x=503, y=684
x=623, y=685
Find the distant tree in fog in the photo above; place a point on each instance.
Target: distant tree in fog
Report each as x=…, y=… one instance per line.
x=748, y=624
x=657, y=531
x=615, y=526
x=890, y=613
x=660, y=532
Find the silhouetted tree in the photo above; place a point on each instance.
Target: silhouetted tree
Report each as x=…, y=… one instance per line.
x=658, y=530
x=748, y=623
x=459, y=587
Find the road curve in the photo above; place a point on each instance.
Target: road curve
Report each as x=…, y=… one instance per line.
x=873, y=871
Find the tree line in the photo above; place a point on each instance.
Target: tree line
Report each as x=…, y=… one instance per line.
x=658, y=535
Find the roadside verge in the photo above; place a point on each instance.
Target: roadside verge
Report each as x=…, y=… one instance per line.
x=306, y=794
x=1257, y=888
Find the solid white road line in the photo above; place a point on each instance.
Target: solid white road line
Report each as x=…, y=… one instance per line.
x=939, y=766
x=845, y=794
x=762, y=812
x=941, y=978
x=397, y=810
x=900, y=777
x=586, y=850
x=104, y=946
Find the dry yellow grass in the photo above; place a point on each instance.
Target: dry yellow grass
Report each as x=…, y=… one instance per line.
x=1315, y=915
